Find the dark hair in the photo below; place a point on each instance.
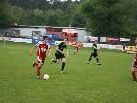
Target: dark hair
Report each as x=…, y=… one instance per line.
x=44, y=37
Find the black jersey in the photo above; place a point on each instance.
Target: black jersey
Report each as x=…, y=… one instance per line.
x=62, y=46
x=94, y=48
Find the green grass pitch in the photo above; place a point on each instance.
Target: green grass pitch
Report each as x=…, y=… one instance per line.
x=110, y=82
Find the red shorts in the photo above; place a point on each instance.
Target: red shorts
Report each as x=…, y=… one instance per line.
x=134, y=65
x=76, y=49
x=134, y=69
x=41, y=59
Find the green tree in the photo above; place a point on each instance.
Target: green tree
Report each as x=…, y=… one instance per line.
x=78, y=20
x=77, y=17
x=17, y=15
x=109, y=16
x=53, y=17
x=5, y=13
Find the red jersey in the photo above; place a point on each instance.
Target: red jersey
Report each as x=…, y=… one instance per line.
x=42, y=49
x=135, y=61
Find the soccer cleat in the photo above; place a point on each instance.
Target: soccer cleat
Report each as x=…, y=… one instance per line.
x=52, y=60
x=38, y=77
x=33, y=64
x=98, y=63
x=135, y=80
x=87, y=62
x=61, y=72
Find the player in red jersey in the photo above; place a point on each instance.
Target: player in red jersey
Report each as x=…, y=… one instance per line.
x=134, y=65
x=76, y=48
x=43, y=46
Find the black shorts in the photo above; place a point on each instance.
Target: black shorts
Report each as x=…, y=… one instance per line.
x=94, y=55
x=59, y=55
x=77, y=49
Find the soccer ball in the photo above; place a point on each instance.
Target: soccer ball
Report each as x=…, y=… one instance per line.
x=46, y=77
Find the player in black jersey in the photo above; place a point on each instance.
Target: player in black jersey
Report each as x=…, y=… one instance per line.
x=60, y=55
x=94, y=53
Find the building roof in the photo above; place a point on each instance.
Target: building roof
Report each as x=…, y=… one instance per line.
x=28, y=26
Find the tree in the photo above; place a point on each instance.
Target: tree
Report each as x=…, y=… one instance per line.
x=109, y=16
x=39, y=17
x=4, y=13
x=17, y=15
x=46, y=12
x=77, y=17
x=53, y=17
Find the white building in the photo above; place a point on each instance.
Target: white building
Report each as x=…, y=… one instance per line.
x=29, y=31
x=24, y=31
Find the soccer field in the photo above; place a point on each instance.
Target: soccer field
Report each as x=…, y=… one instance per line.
x=110, y=82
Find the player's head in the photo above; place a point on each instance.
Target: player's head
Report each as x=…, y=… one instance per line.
x=45, y=38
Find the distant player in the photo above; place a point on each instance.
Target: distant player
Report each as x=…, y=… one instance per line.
x=124, y=47
x=134, y=65
x=76, y=48
x=60, y=54
x=94, y=53
x=43, y=46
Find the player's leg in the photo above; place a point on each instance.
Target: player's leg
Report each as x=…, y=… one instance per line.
x=56, y=59
x=97, y=59
x=133, y=70
x=39, y=66
x=75, y=50
x=53, y=61
x=35, y=64
x=90, y=58
x=38, y=70
x=63, y=64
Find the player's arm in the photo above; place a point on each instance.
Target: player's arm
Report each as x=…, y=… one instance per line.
x=67, y=53
x=49, y=51
x=95, y=47
x=60, y=51
x=99, y=48
x=57, y=49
